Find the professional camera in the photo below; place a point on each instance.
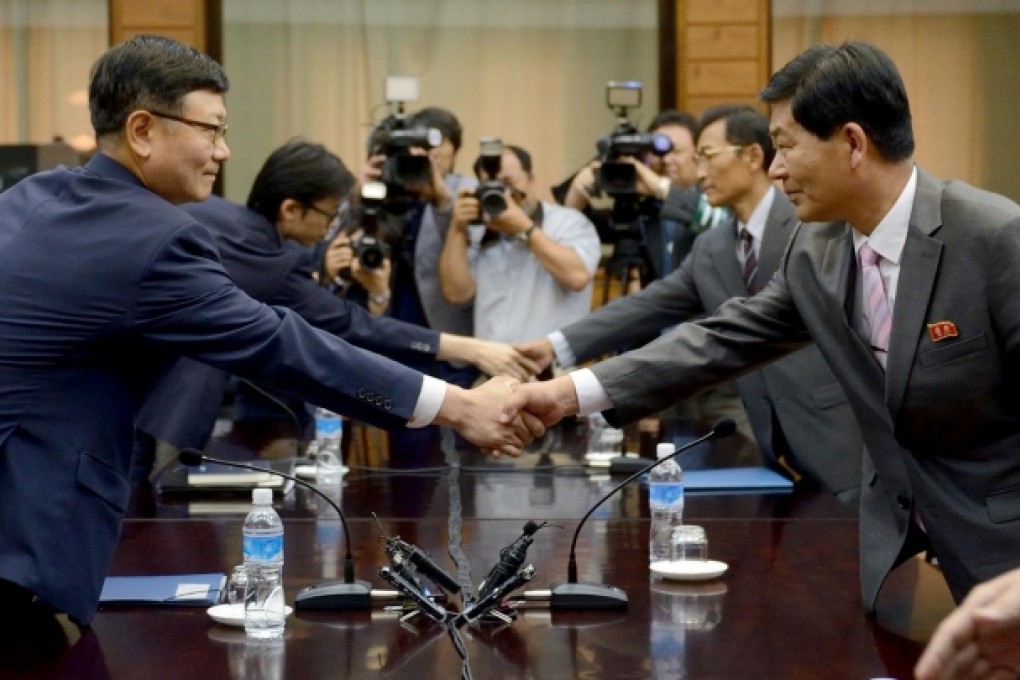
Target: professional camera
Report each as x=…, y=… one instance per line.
x=619, y=178
x=370, y=250
x=392, y=138
x=491, y=193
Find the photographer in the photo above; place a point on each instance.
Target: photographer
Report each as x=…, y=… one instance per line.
x=418, y=219
x=367, y=286
x=533, y=272
x=264, y=247
x=671, y=210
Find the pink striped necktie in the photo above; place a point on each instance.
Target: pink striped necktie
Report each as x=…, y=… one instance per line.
x=876, y=302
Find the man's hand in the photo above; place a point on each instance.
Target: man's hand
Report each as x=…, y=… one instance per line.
x=981, y=639
x=371, y=171
x=465, y=210
x=550, y=401
x=579, y=194
x=497, y=358
x=511, y=221
x=339, y=258
x=478, y=415
x=540, y=352
x=648, y=183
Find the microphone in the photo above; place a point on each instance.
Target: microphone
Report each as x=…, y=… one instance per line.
x=346, y=594
x=586, y=595
x=480, y=607
x=511, y=558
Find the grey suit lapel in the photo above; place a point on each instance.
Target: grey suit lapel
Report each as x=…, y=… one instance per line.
x=779, y=225
x=724, y=260
x=918, y=269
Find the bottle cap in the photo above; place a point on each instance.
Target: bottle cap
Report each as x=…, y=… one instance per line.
x=663, y=449
x=262, y=496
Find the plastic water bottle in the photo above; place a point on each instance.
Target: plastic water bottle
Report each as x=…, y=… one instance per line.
x=666, y=503
x=264, y=612
x=329, y=430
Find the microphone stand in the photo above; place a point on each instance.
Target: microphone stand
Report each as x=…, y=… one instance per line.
x=346, y=594
x=574, y=594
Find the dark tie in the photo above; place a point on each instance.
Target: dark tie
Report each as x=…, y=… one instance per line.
x=750, y=260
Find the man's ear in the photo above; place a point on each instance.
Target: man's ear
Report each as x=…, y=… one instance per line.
x=755, y=155
x=139, y=129
x=857, y=143
x=290, y=210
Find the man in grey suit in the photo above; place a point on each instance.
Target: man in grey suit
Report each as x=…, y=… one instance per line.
x=925, y=340
x=794, y=404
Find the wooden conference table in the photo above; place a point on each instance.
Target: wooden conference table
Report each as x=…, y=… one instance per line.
x=788, y=607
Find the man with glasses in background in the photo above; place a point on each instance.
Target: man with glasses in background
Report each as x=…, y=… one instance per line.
x=792, y=404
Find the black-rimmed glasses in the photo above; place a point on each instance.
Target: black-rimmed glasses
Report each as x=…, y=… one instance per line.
x=329, y=215
x=219, y=130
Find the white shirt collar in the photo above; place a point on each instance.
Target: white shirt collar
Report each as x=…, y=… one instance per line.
x=890, y=235
x=756, y=222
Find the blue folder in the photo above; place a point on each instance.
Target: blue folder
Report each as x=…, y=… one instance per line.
x=735, y=480
x=188, y=590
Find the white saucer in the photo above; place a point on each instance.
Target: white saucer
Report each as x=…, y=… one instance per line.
x=689, y=570
x=233, y=614
x=308, y=471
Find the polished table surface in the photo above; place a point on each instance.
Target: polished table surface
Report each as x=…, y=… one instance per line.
x=788, y=607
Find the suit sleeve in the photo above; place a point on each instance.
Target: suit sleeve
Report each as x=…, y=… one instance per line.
x=634, y=320
x=395, y=339
x=742, y=335
x=186, y=303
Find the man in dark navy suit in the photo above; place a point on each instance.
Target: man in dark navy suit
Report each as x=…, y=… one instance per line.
x=263, y=246
x=103, y=280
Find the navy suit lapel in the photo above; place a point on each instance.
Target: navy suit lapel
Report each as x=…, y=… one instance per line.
x=918, y=271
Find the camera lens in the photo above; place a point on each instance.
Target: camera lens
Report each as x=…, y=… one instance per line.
x=490, y=197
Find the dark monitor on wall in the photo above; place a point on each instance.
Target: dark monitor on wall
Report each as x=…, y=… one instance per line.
x=18, y=161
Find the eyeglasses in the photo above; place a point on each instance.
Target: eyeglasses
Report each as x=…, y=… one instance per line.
x=330, y=215
x=219, y=130
x=708, y=153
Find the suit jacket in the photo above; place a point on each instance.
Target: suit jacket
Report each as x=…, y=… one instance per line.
x=941, y=424
x=102, y=282
x=182, y=407
x=793, y=404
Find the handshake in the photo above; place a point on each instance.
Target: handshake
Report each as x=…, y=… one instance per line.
x=504, y=414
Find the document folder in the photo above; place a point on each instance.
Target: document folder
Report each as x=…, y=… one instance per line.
x=735, y=480
x=175, y=590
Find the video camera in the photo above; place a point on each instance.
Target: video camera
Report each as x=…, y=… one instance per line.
x=393, y=138
x=615, y=177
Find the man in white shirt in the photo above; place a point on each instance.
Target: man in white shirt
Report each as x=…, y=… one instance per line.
x=532, y=271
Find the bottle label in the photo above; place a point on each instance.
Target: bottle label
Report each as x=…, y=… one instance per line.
x=328, y=427
x=662, y=493
x=263, y=548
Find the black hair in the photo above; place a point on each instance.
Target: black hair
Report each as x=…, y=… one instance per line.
x=148, y=72
x=830, y=85
x=674, y=117
x=300, y=170
x=745, y=125
x=441, y=119
x=523, y=156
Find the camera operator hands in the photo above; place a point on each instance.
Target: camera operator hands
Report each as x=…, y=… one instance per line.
x=478, y=414
x=579, y=194
x=341, y=262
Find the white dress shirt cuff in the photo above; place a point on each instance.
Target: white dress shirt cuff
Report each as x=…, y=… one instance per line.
x=430, y=399
x=564, y=355
x=591, y=396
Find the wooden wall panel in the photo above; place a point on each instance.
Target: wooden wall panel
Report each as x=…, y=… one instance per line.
x=194, y=22
x=723, y=52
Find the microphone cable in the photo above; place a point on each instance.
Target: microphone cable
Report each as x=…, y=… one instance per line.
x=454, y=523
